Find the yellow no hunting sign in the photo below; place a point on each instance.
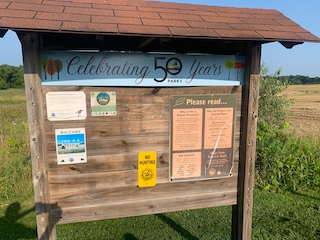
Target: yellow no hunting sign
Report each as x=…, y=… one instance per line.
x=147, y=169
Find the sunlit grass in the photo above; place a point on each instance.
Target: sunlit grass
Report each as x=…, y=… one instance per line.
x=15, y=165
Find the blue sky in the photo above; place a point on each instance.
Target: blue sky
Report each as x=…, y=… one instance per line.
x=300, y=60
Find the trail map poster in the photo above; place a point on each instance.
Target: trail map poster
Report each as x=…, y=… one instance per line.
x=201, y=136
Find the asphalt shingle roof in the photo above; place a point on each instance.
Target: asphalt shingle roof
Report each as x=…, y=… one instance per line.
x=150, y=18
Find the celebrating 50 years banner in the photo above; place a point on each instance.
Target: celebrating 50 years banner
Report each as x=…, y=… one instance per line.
x=79, y=68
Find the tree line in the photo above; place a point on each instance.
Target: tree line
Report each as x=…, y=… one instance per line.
x=299, y=79
x=12, y=77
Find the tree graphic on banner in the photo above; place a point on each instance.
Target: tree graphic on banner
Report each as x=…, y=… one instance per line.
x=50, y=66
x=43, y=65
x=230, y=64
x=239, y=66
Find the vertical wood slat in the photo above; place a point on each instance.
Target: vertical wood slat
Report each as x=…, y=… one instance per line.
x=242, y=212
x=31, y=62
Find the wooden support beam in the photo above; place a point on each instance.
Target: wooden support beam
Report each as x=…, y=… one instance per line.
x=146, y=42
x=242, y=212
x=31, y=62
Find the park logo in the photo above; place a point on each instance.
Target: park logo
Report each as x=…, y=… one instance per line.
x=103, y=98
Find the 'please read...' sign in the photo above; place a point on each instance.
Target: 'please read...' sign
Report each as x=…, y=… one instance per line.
x=139, y=69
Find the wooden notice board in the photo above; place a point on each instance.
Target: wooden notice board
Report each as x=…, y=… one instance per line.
x=106, y=185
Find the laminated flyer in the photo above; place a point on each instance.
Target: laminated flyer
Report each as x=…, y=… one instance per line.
x=71, y=145
x=64, y=106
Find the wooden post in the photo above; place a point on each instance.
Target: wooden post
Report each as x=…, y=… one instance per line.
x=242, y=212
x=31, y=62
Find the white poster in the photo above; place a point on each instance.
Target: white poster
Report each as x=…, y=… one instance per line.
x=64, y=106
x=71, y=146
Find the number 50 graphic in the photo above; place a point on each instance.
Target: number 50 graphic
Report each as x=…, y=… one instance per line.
x=173, y=66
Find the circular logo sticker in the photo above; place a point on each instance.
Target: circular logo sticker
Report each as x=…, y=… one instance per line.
x=147, y=174
x=174, y=66
x=103, y=98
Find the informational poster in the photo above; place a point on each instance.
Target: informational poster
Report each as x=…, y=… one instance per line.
x=103, y=104
x=201, y=136
x=71, y=145
x=64, y=106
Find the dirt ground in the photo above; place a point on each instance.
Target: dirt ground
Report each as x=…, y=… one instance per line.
x=305, y=112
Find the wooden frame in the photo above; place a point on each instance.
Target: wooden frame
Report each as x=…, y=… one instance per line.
x=30, y=49
x=242, y=212
x=54, y=205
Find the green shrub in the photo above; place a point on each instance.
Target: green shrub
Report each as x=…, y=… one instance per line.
x=284, y=161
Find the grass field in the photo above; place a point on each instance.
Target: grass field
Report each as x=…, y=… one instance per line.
x=15, y=164
x=305, y=112
x=291, y=215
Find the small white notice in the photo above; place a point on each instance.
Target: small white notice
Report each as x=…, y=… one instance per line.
x=64, y=106
x=71, y=146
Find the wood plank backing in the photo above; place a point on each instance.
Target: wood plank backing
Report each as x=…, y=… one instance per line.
x=105, y=163
x=73, y=184
x=109, y=178
x=142, y=207
x=128, y=193
x=130, y=95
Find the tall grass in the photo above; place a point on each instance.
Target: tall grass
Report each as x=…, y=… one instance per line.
x=286, y=161
x=15, y=165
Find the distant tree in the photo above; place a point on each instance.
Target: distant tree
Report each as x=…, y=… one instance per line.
x=299, y=79
x=11, y=77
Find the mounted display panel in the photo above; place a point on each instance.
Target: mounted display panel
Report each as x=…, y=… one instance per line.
x=134, y=133
x=110, y=182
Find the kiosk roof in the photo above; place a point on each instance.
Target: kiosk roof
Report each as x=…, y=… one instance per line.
x=150, y=18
